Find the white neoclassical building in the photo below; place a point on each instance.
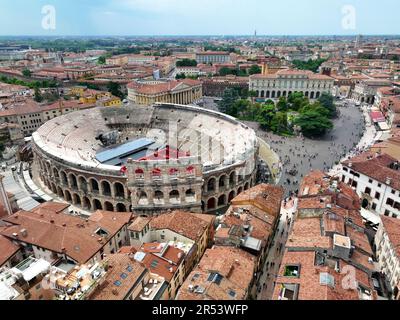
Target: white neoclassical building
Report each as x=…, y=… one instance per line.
x=286, y=81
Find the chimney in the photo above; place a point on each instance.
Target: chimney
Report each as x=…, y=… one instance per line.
x=24, y=233
x=388, y=181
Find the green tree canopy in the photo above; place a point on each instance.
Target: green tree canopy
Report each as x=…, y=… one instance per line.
x=326, y=100
x=254, y=69
x=313, y=124
x=115, y=89
x=186, y=63
x=27, y=73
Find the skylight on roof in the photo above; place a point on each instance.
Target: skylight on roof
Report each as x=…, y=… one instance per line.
x=326, y=279
x=124, y=275
x=118, y=283
x=129, y=269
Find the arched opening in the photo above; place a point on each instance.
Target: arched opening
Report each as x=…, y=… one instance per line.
x=95, y=185
x=142, y=198
x=312, y=95
x=306, y=94
x=211, y=184
x=284, y=93
x=158, y=197
x=77, y=199
x=190, y=195
x=106, y=188
x=73, y=182
x=83, y=184
x=246, y=186
x=231, y=196
x=64, y=178
x=273, y=94
x=86, y=203
x=257, y=93
x=222, y=181
x=211, y=204
x=239, y=190
x=60, y=193
x=174, y=197
x=139, y=173
x=119, y=190
x=365, y=203
x=53, y=188
x=232, y=178
x=97, y=205
x=317, y=95
x=55, y=173
x=67, y=196
x=108, y=206
x=222, y=201
x=262, y=93
x=203, y=206
x=278, y=94
x=121, y=207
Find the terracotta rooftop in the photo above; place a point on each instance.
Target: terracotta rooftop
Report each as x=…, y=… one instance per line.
x=60, y=232
x=7, y=249
x=223, y=273
x=123, y=275
x=186, y=224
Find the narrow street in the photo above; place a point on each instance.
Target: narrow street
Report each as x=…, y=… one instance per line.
x=274, y=258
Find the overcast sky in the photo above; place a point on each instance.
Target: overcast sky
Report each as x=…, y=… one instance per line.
x=201, y=17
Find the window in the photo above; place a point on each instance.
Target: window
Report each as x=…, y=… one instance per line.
x=373, y=206
x=390, y=202
x=370, y=181
x=377, y=195
x=291, y=271
x=215, y=277
x=118, y=283
x=124, y=276
x=232, y=293
x=326, y=279
x=129, y=269
x=288, y=291
x=379, y=185
x=368, y=190
x=387, y=213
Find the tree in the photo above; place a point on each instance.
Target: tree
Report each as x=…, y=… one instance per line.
x=326, y=101
x=38, y=95
x=279, y=123
x=313, y=124
x=282, y=104
x=312, y=65
x=186, y=63
x=226, y=105
x=180, y=76
x=297, y=100
x=115, y=89
x=27, y=73
x=224, y=71
x=254, y=69
x=101, y=60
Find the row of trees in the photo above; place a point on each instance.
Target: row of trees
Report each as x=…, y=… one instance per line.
x=186, y=63
x=254, y=69
x=284, y=116
x=312, y=65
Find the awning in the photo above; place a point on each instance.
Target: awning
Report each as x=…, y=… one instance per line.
x=377, y=116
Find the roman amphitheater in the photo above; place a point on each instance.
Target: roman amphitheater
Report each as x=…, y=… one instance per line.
x=147, y=159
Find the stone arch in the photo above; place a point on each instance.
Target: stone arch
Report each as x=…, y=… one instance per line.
x=273, y=94
x=94, y=184
x=64, y=179
x=86, y=203
x=190, y=195
x=317, y=95
x=232, y=178
x=67, y=196
x=158, y=197
x=76, y=199
x=222, y=200
x=142, y=198
x=211, y=204
x=60, y=192
x=82, y=183
x=119, y=190
x=312, y=95
x=278, y=94
x=262, y=93
x=240, y=190
x=246, y=186
x=257, y=93
x=105, y=188
x=211, y=184
x=55, y=173
x=222, y=181
x=174, y=196
x=231, y=195
x=120, y=207
x=108, y=206
x=97, y=205
x=72, y=180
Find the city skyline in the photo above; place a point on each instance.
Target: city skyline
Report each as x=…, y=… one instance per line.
x=190, y=18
